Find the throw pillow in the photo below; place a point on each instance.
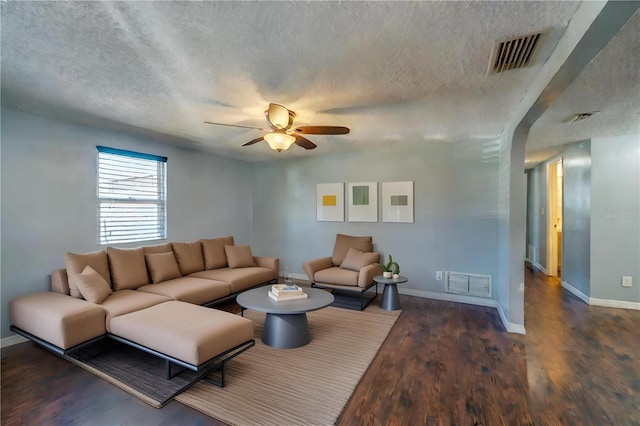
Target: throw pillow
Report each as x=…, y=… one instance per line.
x=357, y=259
x=92, y=286
x=76, y=262
x=213, y=250
x=162, y=266
x=189, y=257
x=128, y=268
x=239, y=256
x=344, y=242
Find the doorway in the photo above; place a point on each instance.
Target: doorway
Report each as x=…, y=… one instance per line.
x=554, y=218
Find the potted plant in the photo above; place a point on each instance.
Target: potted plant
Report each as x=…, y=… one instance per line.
x=389, y=268
x=396, y=271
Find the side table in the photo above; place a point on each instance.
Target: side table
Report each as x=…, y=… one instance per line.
x=390, y=298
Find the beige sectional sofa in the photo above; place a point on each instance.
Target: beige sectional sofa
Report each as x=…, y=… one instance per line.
x=149, y=297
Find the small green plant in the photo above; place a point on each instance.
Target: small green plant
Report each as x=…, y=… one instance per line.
x=391, y=266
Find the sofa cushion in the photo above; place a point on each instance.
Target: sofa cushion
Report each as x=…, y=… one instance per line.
x=343, y=242
x=239, y=279
x=123, y=302
x=357, y=259
x=337, y=275
x=203, y=334
x=128, y=268
x=189, y=289
x=214, y=253
x=92, y=286
x=162, y=266
x=57, y=318
x=189, y=257
x=239, y=256
x=76, y=262
x=157, y=248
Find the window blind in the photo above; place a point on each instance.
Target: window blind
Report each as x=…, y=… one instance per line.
x=131, y=196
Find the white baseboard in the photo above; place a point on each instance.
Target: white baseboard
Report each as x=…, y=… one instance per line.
x=580, y=295
x=12, y=340
x=448, y=297
x=539, y=267
x=607, y=303
x=511, y=327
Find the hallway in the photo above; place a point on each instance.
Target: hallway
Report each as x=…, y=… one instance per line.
x=581, y=360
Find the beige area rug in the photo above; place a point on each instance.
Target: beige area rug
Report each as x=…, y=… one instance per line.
x=309, y=385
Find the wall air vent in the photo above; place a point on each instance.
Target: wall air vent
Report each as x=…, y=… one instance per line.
x=470, y=284
x=513, y=54
x=579, y=117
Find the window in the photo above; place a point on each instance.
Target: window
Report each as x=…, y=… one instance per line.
x=132, y=194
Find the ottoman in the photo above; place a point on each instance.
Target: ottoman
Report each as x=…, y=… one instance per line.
x=187, y=335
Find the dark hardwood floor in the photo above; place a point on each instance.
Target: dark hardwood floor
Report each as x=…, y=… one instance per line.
x=443, y=363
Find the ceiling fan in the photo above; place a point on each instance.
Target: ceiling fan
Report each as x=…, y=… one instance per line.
x=281, y=133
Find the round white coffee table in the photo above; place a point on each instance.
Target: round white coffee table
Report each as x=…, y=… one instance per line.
x=390, y=298
x=285, y=325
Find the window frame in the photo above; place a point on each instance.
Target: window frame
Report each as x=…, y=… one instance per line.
x=130, y=165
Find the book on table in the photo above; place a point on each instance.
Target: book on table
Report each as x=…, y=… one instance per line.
x=286, y=289
x=284, y=297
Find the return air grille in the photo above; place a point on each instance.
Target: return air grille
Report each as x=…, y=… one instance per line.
x=471, y=284
x=513, y=54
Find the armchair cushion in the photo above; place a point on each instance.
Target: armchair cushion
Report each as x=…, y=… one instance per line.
x=357, y=259
x=335, y=275
x=344, y=242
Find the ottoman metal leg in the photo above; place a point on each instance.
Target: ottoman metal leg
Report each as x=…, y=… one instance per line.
x=286, y=331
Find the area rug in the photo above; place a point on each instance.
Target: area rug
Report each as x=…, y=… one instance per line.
x=309, y=385
x=134, y=371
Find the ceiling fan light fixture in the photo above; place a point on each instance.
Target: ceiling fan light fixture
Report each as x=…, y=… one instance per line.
x=279, y=141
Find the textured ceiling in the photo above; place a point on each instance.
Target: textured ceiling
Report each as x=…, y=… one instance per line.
x=391, y=71
x=610, y=85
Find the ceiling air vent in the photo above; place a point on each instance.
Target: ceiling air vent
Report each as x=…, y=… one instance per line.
x=514, y=53
x=579, y=117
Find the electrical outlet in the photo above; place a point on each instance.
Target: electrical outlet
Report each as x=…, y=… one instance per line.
x=439, y=275
x=627, y=281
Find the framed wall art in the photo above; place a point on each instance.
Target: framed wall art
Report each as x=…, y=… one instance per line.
x=397, y=202
x=330, y=202
x=362, y=201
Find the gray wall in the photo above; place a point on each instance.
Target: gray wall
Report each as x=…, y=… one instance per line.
x=455, y=215
x=576, y=220
x=49, y=197
x=601, y=223
x=615, y=217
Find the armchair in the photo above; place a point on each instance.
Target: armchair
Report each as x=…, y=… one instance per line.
x=348, y=272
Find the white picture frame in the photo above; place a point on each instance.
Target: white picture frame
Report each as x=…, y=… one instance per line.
x=397, y=202
x=362, y=204
x=330, y=202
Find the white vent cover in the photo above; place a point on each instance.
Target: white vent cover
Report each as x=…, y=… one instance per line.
x=514, y=53
x=579, y=117
x=470, y=284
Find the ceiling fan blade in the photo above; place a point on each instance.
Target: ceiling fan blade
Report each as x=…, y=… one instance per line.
x=304, y=142
x=235, y=125
x=256, y=140
x=322, y=130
